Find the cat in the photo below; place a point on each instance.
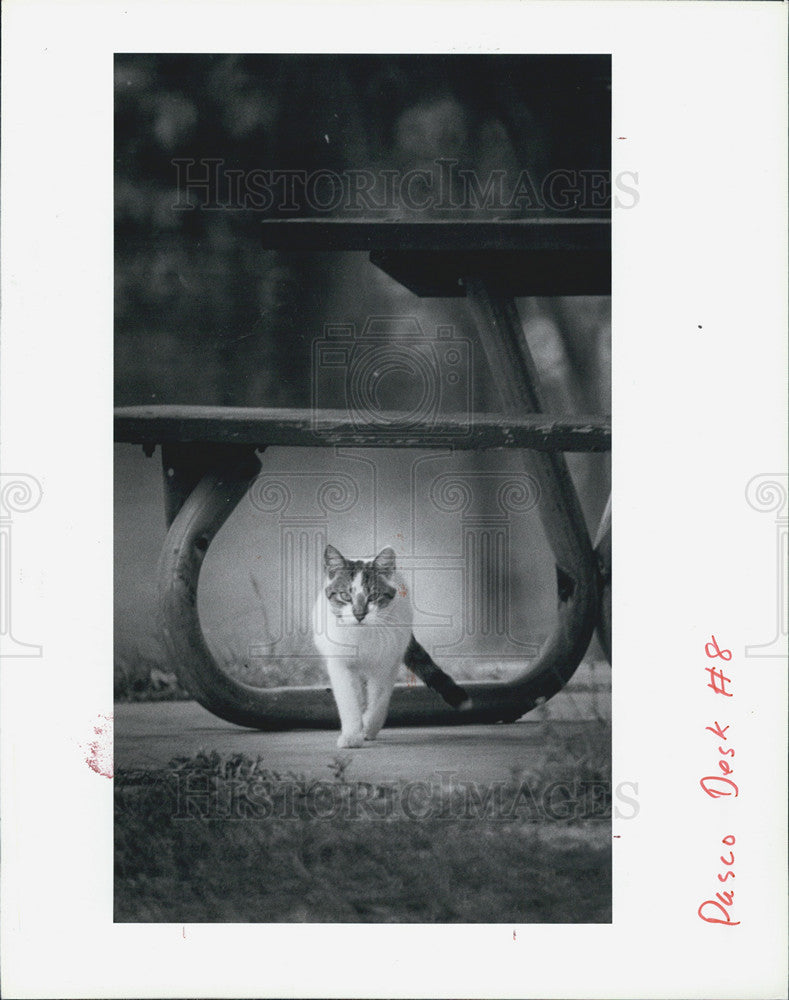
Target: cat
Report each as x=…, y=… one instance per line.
x=362, y=623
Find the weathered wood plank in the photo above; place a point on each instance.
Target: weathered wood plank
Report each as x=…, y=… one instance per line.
x=151, y=425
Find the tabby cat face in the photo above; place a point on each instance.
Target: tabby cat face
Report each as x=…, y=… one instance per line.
x=357, y=588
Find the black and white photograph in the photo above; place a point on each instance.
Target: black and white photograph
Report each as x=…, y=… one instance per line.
x=362, y=387
x=393, y=499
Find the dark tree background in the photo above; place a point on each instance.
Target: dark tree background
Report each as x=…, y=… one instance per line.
x=203, y=314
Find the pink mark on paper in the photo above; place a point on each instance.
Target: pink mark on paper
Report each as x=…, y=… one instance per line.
x=99, y=757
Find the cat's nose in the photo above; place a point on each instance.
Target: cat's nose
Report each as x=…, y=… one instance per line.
x=359, y=614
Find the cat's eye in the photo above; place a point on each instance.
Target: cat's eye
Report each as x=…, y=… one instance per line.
x=344, y=595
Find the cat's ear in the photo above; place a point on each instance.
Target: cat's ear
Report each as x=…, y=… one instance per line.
x=384, y=562
x=333, y=560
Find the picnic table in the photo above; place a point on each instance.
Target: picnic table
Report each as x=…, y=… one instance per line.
x=211, y=455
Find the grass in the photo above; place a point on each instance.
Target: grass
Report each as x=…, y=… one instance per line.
x=228, y=840
x=141, y=677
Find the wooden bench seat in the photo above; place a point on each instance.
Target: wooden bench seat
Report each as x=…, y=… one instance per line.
x=151, y=425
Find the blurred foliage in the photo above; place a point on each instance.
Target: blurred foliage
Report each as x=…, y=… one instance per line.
x=203, y=314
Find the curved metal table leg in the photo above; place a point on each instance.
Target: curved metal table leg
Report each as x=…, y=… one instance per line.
x=196, y=521
x=516, y=377
x=193, y=528
x=602, y=548
x=205, y=484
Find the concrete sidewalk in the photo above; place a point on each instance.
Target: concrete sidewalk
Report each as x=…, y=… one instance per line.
x=148, y=735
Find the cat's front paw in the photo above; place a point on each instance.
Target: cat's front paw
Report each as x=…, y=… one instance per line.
x=369, y=737
x=345, y=740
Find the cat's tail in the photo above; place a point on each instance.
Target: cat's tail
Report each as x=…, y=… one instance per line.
x=419, y=662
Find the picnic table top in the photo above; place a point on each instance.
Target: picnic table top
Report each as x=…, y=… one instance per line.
x=448, y=235
x=149, y=425
x=518, y=257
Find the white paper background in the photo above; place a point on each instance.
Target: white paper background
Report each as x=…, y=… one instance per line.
x=699, y=94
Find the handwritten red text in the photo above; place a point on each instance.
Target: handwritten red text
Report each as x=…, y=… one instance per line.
x=720, y=785
x=716, y=911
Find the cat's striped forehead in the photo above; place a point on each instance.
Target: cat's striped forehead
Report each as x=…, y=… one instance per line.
x=360, y=580
x=358, y=576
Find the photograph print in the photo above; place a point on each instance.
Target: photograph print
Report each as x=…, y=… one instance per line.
x=362, y=488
